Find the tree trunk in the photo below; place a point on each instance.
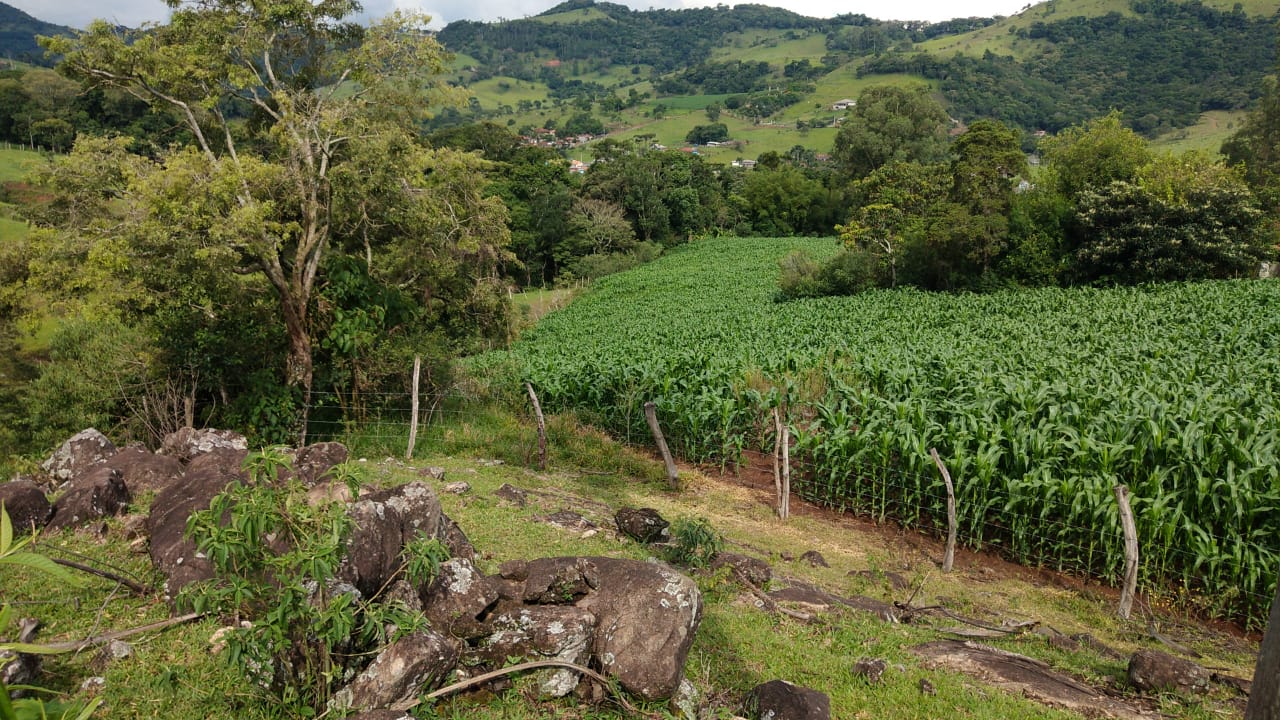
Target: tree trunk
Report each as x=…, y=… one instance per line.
x=1264, y=697
x=298, y=366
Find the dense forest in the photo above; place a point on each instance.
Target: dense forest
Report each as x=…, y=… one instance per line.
x=1163, y=66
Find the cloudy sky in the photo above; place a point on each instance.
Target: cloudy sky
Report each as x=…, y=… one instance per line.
x=78, y=13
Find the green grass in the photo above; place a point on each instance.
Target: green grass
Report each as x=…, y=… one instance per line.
x=1207, y=135
x=571, y=17
x=771, y=46
x=15, y=163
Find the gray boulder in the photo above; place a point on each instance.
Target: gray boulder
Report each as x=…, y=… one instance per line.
x=144, y=471
x=189, y=443
x=781, y=700
x=80, y=452
x=416, y=663
x=646, y=616
x=541, y=632
x=642, y=524
x=1155, y=671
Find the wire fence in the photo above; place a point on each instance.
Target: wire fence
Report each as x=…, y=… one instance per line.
x=1034, y=530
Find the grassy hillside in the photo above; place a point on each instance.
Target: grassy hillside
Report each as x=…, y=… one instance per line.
x=178, y=674
x=1055, y=76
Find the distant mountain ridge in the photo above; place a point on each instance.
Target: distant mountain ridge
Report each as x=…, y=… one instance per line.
x=18, y=32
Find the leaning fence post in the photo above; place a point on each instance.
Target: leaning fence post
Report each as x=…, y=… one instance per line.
x=949, y=556
x=413, y=401
x=651, y=415
x=542, y=427
x=1130, y=552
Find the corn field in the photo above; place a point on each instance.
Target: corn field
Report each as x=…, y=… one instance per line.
x=1040, y=401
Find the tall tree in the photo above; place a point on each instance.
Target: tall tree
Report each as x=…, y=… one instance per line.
x=891, y=123
x=313, y=84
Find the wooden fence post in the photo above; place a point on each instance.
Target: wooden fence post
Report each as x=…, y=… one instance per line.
x=777, y=460
x=949, y=556
x=542, y=427
x=413, y=401
x=1264, y=698
x=1130, y=552
x=784, y=504
x=651, y=415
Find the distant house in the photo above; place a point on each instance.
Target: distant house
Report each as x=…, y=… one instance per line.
x=745, y=164
x=578, y=167
x=843, y=104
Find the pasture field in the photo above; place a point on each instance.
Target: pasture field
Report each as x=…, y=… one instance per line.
x=1040, y=402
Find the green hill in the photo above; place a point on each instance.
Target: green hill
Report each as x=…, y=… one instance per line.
x=1164, y=64
x=18, y=32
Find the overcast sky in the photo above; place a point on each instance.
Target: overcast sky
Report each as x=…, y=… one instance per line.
x=78, y=13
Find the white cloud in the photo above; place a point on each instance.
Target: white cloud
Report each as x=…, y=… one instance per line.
x=78, y=13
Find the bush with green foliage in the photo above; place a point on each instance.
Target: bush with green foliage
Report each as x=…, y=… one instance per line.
x=275, y=556
x=694, y=542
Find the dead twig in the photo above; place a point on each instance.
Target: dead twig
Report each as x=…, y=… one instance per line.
x=522, y=667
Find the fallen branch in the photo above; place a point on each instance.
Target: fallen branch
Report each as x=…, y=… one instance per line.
x=78, y=645
x=137, y=588
x=769, y=603
x=533, y=665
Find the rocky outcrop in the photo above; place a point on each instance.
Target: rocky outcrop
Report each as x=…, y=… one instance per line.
x=26, y=504
x=383, y=523
x=458, y=598
x=80, y=452
x=756, y=571
x=541, y=632
x=92, y=495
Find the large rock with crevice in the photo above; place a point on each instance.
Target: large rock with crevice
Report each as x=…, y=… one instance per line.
x=92, y=495
x=26, y=504
x=383, y=523
x=552, y=581
x=646, y=616
x=458, y=598
x=172, y=552
x=75, y=456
